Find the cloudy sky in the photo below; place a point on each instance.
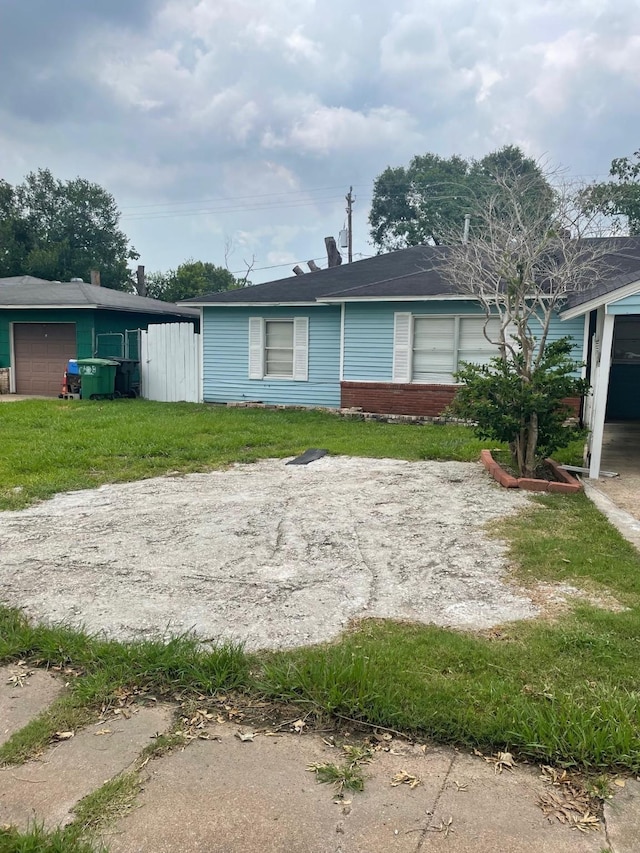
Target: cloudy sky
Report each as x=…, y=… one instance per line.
x=244, y=122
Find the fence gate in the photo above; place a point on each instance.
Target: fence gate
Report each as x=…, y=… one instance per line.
x=170, y=359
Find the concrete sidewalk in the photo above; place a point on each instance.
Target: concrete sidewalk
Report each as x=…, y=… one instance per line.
x=221, y=794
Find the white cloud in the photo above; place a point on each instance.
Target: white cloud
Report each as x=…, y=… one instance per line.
x=203, y=99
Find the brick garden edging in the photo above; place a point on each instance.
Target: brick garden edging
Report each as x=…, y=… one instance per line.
x=568, y=485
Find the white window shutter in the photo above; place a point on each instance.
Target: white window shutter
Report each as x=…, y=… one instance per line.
x=256, y=348
x=301, y=348
x=402, y=347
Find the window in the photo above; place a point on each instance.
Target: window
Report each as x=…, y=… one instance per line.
x=278, y=348
x=431, y=348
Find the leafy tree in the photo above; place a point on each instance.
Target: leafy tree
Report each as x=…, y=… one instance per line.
x=521, y=268
x=192, y=278
x=15, y=237
x=505, y=403
x=620, y=197
x=427, y=201
x=60, y=230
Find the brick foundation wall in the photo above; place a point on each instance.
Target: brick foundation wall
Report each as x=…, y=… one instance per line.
x=574, y=405
x=389, y=398
x=393, y=399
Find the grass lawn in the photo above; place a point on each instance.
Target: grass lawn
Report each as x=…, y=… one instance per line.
x=563, y=692
x=51, y=446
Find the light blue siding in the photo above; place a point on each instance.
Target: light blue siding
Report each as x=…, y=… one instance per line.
x=226, y=358
x=568, y=329
x=628, y=305
x=368, y=348
x=368, y=334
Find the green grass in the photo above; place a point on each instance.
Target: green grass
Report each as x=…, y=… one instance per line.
x=112, y=800
x=51, y=446
x=151, y=667
x=38, y=840
x=347, y=777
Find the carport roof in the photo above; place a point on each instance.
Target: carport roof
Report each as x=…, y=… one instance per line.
x=25, y=291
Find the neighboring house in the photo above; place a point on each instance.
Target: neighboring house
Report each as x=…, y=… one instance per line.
x=43, y=324
x=387, y=334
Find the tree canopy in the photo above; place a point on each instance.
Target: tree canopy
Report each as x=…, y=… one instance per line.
x=619, y=197
x=192, y=278
x=59, y=230
x=426, y=202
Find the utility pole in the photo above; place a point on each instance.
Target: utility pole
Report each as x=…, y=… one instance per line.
x=349, y=198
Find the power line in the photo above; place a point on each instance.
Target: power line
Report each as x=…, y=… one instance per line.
x=277, y=266
x=233, y=209
x=303, y=191
x=236, y=198
x=139, y=213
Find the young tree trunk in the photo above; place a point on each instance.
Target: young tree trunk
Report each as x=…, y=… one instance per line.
x=529, y=468
x=523, y=448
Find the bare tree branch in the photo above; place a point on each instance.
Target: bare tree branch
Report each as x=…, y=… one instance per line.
x=530, y=250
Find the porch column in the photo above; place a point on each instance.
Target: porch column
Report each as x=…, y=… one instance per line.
x=600, y=393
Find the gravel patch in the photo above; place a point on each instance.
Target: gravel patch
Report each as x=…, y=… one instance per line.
x=272, y=555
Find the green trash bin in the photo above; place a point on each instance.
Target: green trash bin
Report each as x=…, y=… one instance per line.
x=97, y=378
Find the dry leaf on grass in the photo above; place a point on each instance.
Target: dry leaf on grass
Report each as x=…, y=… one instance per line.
x=64, y=735
x=404, y=778
x=298, y=726
x=233, y=713
x=553, y=776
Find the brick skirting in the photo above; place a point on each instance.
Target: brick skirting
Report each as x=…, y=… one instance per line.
x=390, y=398
x=394, y=399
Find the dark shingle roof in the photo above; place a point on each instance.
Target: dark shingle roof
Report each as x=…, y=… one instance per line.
x=623, y=267
x=411, y=273
x=314, y=285
x=29, y=292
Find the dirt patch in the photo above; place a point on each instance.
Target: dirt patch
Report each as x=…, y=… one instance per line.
x=272, y=555
x=556, y=599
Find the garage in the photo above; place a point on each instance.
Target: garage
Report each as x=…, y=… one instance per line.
x=41, y=352
x=43, y=324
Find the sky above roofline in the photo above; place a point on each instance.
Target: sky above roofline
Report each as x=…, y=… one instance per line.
x=230, y=130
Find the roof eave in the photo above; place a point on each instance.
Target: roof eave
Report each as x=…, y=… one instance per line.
x=74, y=307
x=283, y=304
x=433, y=297
x=604, y=299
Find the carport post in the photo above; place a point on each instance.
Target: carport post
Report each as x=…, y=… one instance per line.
x=600, y=393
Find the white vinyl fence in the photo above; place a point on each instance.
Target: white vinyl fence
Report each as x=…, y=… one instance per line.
x=170, y=363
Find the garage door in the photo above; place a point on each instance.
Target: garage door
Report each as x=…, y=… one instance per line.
x=41, y=353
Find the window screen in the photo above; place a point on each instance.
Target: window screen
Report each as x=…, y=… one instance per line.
x=279, y=348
